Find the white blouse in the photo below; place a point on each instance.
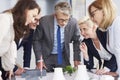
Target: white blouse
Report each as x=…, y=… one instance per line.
x=103, y=53
x=113, y=40
x=8, y=49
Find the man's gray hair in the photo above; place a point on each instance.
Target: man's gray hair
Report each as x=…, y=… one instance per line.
x=63, y=7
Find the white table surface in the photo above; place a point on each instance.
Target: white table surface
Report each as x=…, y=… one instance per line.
x=49, y=76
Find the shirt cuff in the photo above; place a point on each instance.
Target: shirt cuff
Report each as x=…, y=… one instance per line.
x=40, y=61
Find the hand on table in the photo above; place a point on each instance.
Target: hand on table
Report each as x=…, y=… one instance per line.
x=101, y=71
x=39, y=65
x=9, y=74
x=19, y=71
x=114, y=74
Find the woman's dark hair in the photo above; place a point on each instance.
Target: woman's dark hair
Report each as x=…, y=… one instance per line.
x=19, y=16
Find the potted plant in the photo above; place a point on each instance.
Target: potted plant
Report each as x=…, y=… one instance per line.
x=69, y=70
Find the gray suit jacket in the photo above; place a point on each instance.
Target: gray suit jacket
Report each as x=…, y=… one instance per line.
x=43, y=39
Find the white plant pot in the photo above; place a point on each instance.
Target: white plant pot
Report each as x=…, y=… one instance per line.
x=81, y=73
x=58, y=74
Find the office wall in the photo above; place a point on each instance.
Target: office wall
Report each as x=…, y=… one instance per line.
x=6, y=4
x=47, y=6
x=78, y=8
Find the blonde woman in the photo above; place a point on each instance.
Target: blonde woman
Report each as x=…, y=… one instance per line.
x=103, y=13
x=94, y=45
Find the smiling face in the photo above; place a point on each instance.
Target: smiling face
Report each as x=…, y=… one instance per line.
x=86, y=31
x=34, y=25
x=31, y=16
x=96, y=15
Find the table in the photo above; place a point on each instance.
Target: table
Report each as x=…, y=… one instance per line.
x=49, y=76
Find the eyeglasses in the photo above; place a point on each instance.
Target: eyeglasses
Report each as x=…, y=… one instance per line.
x=93, y=13
x=63, y=20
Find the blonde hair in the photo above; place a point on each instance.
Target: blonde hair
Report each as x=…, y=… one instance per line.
x=109, y=11
x=86, y=20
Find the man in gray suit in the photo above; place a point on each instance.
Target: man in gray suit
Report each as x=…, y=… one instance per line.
x=45, y=41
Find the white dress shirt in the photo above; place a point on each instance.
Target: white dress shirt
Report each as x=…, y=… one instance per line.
x=113, y=40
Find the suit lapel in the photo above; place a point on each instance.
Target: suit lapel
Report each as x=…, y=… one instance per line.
x=92, y=47
x=96, y=54
x=66, y=35
x=67, y=31
x=51, y=28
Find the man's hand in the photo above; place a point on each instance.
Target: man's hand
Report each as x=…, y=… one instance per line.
x=76, y=63
x=39, y=65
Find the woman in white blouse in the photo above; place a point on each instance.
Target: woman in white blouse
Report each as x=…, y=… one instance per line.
x=13, y=26
x=103, y=13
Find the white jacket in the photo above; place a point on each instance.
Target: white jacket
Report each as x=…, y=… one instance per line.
x=8, y=49
x=113, y=44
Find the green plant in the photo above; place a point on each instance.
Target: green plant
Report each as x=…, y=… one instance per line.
x=69, y=70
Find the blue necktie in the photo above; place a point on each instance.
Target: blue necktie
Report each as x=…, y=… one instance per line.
x=59, y=46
